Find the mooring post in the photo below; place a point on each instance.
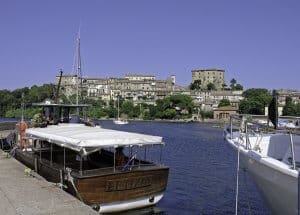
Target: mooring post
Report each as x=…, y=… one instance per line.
x=114, y=159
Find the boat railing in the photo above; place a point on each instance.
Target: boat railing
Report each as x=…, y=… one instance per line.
x=79, y=170
x=113, y=170
x=248, y=127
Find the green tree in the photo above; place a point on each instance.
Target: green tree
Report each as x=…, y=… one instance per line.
x=211, y=86
x=235, y=86
x=196, y=85
x=128, y=109
x=255, y=100
x=289, y=108
x=224, y=86
x=181, y=104
x=238, y=87
x=169, y=113
x=232, y=83
x=297, y=109
x=206, y=114
x=224, y=102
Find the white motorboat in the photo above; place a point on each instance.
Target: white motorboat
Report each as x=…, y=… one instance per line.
x=273, y=159
x=120, y=121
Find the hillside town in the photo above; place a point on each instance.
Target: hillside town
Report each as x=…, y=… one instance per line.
x=208, y=88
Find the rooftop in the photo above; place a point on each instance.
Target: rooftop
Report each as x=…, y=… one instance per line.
x=82, y=138
x=226, y=108
x=206, y=70
x=138, y=75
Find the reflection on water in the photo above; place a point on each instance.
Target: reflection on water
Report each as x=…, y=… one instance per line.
x=8, y=119
x=145, y=211
x=202, y=176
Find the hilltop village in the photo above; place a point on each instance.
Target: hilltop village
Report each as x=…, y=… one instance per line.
x=210, y=95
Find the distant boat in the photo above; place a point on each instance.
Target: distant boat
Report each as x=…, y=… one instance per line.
x=273, y=159
x=120, y=121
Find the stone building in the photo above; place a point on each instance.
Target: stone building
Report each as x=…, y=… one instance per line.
x=136, y=88
x=293, y=94
x=135, y=77
x=209, y=100
x=223, y=113
x=206, y=76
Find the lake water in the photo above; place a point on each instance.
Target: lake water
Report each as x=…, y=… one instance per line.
x=202, y=178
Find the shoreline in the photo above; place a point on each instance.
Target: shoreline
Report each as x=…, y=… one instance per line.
x=211, y=121
x=217, y=123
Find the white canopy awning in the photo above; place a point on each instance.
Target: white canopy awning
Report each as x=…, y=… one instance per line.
x=79, y=137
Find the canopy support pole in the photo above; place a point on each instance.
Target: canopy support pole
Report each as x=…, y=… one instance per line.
x=145, y=153
x=160, y=157
x=114, y=159
x=40, y=150
x=140, y=156
x=51, y=154
x=80, y=164
x=64, y=158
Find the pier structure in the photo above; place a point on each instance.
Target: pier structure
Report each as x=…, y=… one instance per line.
x=22, y=191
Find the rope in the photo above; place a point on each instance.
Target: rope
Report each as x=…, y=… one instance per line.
x=70, y=179
x=237, y=180
x=13, y=151
x=245, y=182
x=298, y=193
x=129, y=164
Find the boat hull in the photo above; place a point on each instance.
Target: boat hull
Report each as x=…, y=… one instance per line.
x=279, y=189
x=109, y=191
x=121, y=186
x=130, y=205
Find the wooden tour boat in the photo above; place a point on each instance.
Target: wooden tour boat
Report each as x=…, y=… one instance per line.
x=88, y=161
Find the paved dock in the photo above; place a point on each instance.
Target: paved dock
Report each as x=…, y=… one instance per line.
x=26, y=194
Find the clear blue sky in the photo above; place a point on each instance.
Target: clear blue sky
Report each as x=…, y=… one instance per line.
x=257, y=42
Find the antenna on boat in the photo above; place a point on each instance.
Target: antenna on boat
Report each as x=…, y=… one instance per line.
x=118, y=106
x=58, y=86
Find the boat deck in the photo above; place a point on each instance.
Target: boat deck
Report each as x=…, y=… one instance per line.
x=22, y=193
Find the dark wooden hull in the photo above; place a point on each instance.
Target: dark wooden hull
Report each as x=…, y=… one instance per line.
x=103, y=186
x=123, y=186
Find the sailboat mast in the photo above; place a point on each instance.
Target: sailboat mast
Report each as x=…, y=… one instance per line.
x=78, y=73
x=118, y=108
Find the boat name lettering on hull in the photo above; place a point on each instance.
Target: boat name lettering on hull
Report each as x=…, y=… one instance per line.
x=128, y=183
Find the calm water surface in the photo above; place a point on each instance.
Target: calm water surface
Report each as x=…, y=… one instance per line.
x=202, y=176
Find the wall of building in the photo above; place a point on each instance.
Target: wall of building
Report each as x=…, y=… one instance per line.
x=206, y=76
x=136, y=88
